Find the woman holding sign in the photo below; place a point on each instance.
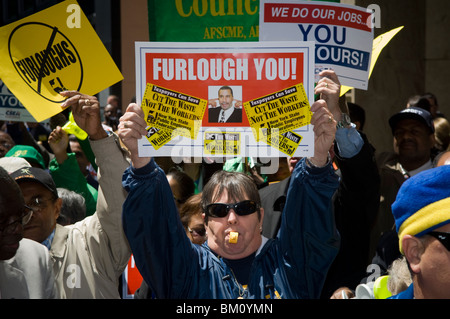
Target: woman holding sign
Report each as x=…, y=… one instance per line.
x=236, y=261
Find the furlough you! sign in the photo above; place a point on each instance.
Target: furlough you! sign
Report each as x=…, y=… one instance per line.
x=265, y=88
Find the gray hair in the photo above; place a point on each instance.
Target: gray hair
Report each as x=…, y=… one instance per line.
x=73, y=207
x=399, y=276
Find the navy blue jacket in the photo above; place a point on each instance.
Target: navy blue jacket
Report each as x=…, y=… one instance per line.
x=294, y=265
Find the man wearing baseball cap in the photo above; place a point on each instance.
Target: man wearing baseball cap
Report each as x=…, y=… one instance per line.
x=40, y=193
x=90, y=255
x=413, y=133
x=422, y=219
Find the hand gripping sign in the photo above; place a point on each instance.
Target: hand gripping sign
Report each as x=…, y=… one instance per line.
x=44, y=54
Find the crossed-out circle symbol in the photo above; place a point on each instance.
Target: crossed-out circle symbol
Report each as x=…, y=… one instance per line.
x=49, y=63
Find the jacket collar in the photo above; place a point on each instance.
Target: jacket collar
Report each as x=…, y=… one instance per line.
x=59, y=245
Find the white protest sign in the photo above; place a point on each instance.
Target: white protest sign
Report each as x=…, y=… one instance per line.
x=10, y=107
x=342, y=34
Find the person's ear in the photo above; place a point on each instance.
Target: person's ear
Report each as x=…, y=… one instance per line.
x=261, y=214
x=58, y=205
x=413, y=249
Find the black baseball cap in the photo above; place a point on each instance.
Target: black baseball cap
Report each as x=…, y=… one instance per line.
x=35, y=174
x=415, y=113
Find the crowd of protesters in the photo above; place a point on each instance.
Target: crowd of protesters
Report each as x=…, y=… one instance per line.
x=79, y=207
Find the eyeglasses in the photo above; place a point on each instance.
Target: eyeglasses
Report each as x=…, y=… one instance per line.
x=38, y=204
x=200, y=231
x=23, y=220
x=243, y=208
x=444, y=238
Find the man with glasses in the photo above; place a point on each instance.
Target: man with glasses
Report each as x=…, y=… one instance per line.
x=25, y=266
x=90, y=255
x=422, y=217
x=42, y=197
x=236, y=261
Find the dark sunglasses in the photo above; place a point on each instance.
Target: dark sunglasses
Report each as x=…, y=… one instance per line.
x=444, y=238
x=243, y=208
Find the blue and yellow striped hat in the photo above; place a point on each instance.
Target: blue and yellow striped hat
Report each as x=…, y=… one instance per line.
x=423, y=203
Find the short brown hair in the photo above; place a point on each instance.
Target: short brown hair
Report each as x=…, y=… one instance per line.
x=190, y=208
x=237, y=185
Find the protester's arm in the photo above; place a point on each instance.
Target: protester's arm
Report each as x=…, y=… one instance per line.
x=58, y=141
x=360, y=179
x=111, y=161
x=161, y=249
x=324, y=133
x=66, y=172
x=106, y=239
x=307, y=236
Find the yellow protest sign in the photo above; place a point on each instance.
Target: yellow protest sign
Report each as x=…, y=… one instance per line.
x=222, y=143
x=286, y=142
x=171, y=111
x=378, y=45
x=47, y=52
x=283, y=110
x=158, y=137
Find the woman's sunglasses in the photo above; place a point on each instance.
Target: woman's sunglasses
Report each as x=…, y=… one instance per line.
x=243, y=208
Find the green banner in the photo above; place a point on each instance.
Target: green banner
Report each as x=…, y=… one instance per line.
x=203, y=20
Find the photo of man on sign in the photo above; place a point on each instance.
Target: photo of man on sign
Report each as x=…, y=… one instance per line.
x=228, y=110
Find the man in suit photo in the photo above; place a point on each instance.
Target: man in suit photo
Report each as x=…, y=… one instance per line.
x=225, y=112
